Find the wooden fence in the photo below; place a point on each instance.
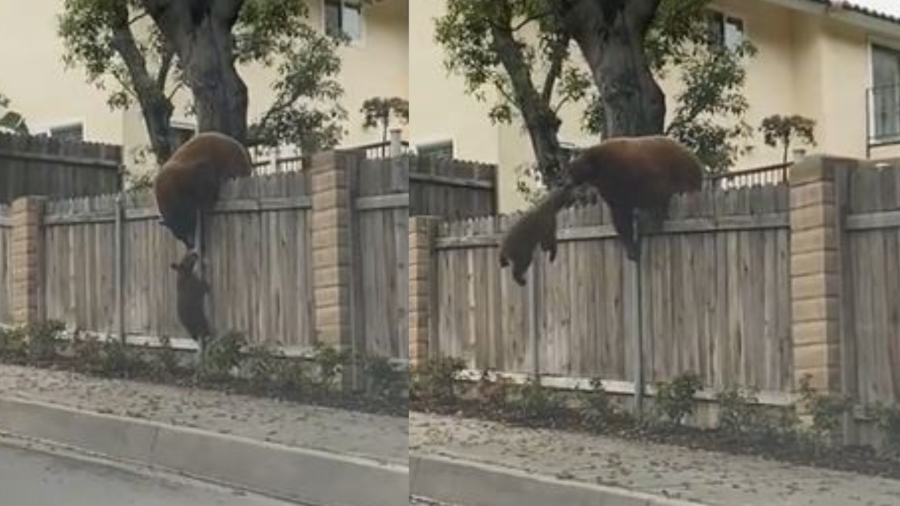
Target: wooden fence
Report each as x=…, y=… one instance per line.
x=452, y=189
x=46, y=166
x=712, y=295
x=273, y=251
x=750, y=285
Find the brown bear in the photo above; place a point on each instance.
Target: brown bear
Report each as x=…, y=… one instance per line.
x=190, y=292
x=536, y=226
x=189, y=182
x=636, y=174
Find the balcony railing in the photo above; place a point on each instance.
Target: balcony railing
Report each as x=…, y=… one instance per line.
x=883, y=112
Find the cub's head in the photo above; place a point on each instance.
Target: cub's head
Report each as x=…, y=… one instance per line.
x=186, y=266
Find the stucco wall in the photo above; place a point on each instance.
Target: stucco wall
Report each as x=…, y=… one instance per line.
x=34, y=78
x=440, y=107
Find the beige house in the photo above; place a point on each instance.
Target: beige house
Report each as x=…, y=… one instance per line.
x=837, y=65
x=59, y=101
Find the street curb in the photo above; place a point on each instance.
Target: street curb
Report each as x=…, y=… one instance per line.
x=459, y=481
x=308, y=476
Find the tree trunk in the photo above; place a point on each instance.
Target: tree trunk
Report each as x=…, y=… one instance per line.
x=541, y=121
x=200, y=33
x=610, y=34
x=157, y=113
x=220, y=95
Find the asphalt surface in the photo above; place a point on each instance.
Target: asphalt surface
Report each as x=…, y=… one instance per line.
x=35, y=477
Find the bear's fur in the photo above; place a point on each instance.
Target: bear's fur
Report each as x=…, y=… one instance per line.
x=189, y=182
x=537, y=226
x=636, y=174
x=190, y=292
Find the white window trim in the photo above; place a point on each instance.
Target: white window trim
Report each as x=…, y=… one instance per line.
x=871, y=42
x=729, y=12
x=357, y=43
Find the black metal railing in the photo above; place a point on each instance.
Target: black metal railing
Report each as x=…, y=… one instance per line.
x=883, y=114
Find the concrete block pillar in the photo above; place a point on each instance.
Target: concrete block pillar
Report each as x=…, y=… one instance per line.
x=27, y=259
x=332, y=244
x=422, y=233
x=817, y=189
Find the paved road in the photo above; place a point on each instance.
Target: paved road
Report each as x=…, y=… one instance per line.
x=31, y=477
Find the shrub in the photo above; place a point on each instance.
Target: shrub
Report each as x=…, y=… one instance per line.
x=598, y=409
x=329, y=364
x=222, y=356
x=44, y=339
x=888, y=420
x=826, y=410
x=737, y=412
x=534, y=403
x=14, y=344
x=675, y=399
x=384, y=380
x=434, y=382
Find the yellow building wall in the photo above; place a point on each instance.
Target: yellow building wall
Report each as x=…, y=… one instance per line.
x=440, y=107
x=34, y=78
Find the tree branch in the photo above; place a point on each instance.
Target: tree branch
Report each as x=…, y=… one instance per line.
x=168, y=57
x=557, y=58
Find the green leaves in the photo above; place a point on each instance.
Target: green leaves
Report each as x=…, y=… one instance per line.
x=783, y=130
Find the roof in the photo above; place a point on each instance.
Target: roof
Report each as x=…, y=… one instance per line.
x=860, y=9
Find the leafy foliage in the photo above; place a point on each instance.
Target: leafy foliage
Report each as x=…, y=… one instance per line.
x=125, y=52
x=537, y=71
x=675, y=399
x=11, y=121
x=377, y=111
x=826, y=409
x=778, y=129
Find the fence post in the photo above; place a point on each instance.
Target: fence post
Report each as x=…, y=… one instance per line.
x=120, y=265
x=332, y=251
x=821, y=329
x=27, y=251
x=396, y=144
x=422, y=278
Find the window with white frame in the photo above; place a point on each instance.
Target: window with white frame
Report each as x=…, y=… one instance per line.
x=884, y=96
x=344, y=17
x=726, y=31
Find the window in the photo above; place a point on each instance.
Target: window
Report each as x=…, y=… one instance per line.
x=884, y=99
x=344, y=17
x=440, y=150
x=725, y=31
x=73, y=132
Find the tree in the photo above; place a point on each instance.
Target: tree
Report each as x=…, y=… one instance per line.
x=11, y=121
x=520, y=49
x=377, y=111
x=783, y=130
x=144, y=51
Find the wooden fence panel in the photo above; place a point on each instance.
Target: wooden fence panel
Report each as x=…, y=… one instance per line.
x=259, y=264
x=873, y=267
x=381, y=255
x=5, y=259
x=715, y=288
x=56, y=169
x=452, y=189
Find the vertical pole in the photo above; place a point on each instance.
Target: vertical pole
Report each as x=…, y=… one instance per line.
x=120, y=266
x=533, y=307
x=637, y=322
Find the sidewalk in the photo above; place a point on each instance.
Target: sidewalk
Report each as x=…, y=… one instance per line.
x=693, y=476
x=292, y=424
x=282, y=449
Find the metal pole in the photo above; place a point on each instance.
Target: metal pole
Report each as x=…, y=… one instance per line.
x=120, y=267
x=637, y=323
x=533, y=333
